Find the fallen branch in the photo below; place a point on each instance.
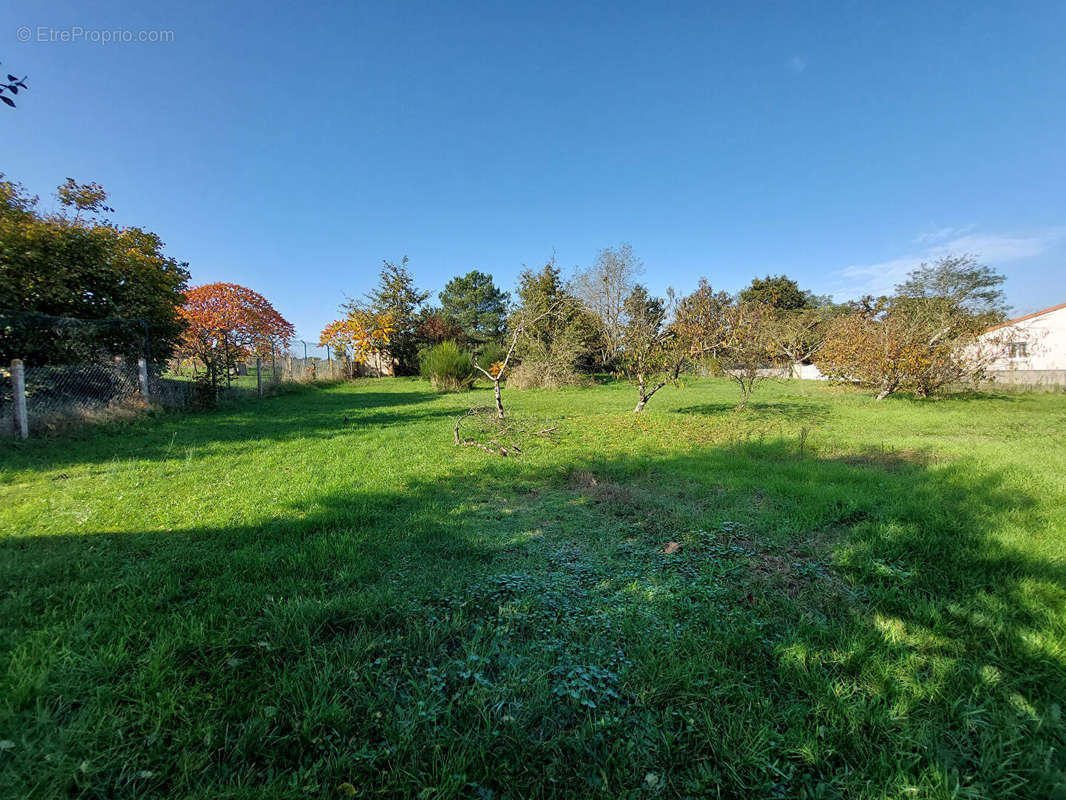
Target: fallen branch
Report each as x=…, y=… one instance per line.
x=503, y=435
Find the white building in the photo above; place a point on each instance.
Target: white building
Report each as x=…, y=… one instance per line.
x=1030, y=349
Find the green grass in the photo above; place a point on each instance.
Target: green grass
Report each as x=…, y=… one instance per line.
x=869, y=599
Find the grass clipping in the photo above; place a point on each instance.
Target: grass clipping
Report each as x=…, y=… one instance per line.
x=480, y=427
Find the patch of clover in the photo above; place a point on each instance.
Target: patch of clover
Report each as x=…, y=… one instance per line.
x=587, y=685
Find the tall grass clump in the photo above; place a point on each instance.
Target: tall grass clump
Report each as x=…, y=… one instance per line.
x=448, y=368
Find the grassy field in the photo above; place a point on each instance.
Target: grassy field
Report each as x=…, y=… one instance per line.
x=319, y=595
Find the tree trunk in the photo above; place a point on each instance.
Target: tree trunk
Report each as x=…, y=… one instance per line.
x=499, y=400
x=642, y=394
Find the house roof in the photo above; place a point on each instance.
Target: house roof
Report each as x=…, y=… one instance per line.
x=1027, y=316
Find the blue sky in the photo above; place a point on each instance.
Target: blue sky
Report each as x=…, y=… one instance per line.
x=292, y=149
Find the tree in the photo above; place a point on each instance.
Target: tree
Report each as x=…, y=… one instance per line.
x=361, y=335
x=648, y=347
x=226, y=322
x=963, y=281
x=699, y=319
x=477, y=306
x=778, y=291
x=11, y=87
x=396, y=296
x=919, y=344
x=433, y=327
x=556, y=331
x=747, y=346
x=523, y=320
x=89, y=197
x=654, y=351
x=87, y=269
x=604, y=288
x=798, y=335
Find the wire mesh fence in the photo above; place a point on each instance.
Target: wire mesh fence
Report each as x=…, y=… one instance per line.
x=300, y=362
x=69, y=370
x=75, y=392
x=55, y=371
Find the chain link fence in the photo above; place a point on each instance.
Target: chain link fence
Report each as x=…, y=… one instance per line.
x=58, y=371
x=300, y=362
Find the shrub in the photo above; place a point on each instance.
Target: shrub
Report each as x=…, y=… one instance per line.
x=490, y=353
x=448, y=368
x=544, y=375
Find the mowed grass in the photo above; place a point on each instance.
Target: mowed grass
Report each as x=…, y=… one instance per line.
x=319, y=595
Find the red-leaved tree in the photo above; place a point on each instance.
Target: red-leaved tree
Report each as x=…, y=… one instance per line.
x=226, y=322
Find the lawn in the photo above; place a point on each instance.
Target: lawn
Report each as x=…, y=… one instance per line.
x=319, y=595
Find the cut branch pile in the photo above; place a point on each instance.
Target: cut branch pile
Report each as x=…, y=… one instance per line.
x=500, y=437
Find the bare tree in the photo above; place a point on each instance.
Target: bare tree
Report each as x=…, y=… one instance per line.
x=604, y=288
x=521, y=322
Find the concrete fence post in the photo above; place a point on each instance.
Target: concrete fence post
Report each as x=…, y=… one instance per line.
x=18, y=393
x=142, y=377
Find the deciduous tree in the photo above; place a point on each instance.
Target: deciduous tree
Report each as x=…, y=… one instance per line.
x=361, y=335
x=778, y=291
x=80, y=267
x=226, y=322
x=961, y=280
x=747, y=350
x=918, y=344
x=604, y=288
x=798, y=335
x=522, y=321
x=699, y=319
x=650, y=351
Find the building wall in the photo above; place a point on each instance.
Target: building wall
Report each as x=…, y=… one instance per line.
x=376, y=365
x=1045, y=343
x=1029, y=377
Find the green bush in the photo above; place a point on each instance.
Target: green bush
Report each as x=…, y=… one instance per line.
x=489, y=353
x=448, y=368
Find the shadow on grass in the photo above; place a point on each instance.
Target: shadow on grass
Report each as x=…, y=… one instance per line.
x=517, y=631
x=300, y=412
x=788, y=410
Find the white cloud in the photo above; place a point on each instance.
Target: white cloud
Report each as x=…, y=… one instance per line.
x=937, y=235
x=991, y=248
x=797, y=64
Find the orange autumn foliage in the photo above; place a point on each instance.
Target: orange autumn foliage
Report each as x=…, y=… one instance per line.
x=232, y=317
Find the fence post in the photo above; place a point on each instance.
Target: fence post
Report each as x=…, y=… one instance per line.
x=259, y=376
x=142, y=377
x=18, y=391
x=225, y=355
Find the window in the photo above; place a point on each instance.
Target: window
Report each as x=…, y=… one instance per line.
x=1018, y=349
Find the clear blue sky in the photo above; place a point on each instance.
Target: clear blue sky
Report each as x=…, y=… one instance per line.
x=291, y=149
